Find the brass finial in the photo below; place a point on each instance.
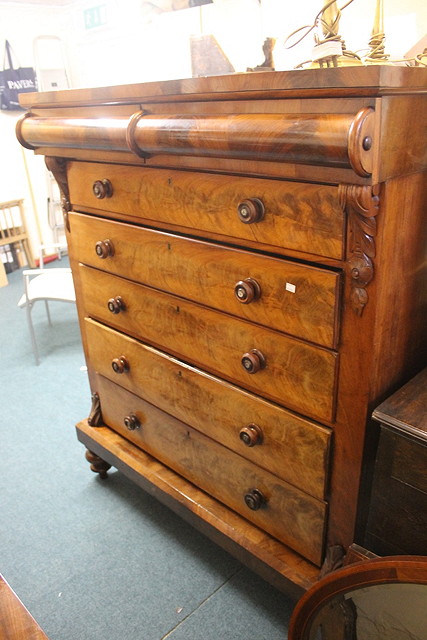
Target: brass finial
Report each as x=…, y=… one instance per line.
x=377, y=53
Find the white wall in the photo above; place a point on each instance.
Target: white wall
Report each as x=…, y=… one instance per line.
x=20, y=23
x=405, y=24
x=138, y=45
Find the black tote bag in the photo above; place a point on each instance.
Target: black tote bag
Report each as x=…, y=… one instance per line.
x=14, y=81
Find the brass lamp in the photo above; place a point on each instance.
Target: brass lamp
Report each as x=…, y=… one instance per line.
x=331, y=50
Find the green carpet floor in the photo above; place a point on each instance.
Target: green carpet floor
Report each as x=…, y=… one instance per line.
x=94, y=559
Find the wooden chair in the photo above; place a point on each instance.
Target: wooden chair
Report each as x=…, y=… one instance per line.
x=13, y=229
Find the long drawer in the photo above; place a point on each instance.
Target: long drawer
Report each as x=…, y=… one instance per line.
x=293, y=215
x=294, y=298
x=285, y=370
x=288, y=514
x=292, y=448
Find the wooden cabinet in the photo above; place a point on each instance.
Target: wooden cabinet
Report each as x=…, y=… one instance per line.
x=16, y=623
x=397, y=522
x=249, y=258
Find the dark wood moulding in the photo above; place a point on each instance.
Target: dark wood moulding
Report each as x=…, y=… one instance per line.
x=370, y=81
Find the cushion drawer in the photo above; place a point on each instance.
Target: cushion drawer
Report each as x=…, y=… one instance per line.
x=288, y=514
x=297, y=299
x=298, y=216
x=294, y=449
x=297, y=374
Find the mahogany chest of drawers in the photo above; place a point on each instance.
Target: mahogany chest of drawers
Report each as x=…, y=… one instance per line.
x=249, y=256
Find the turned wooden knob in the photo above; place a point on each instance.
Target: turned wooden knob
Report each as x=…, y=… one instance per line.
x=102, y=189
x=254, y=499
x=251, y=435
x=104, y=249
x=247, y=290
x=253, y=361
x=120, y=365
x=251, y=210
x=131, y=422
x=115, y=305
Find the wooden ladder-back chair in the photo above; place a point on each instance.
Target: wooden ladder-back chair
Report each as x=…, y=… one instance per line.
x=13, y=229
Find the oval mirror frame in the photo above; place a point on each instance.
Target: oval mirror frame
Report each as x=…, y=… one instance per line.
x=377, y=571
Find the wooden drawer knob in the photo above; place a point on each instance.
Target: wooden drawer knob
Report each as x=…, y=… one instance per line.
x=102, y=189
x=131, y=422
x=251, y=210
x=120, y=365
x=251, y=435
x=115, y=305
x=254, y=499
x=104, y=249
x=247, y=290
x=253, y=361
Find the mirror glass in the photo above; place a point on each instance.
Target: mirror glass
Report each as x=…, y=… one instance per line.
x=377, y=612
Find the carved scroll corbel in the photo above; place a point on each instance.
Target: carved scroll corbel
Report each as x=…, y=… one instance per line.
x=361, y=204
x=58, y=167
x=333, y=560
x=95, y=416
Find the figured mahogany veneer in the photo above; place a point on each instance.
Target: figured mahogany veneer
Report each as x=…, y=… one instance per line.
x=218, y=409
x=296, y=299
x=297, y=216
x=332, y=139
x=224, y=475
x=276, y=562
x=249, y=256
x=299, y=373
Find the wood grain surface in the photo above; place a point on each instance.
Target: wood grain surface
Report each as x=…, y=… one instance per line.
x=298, y=216
x=297, y=374
x=296, y=299
x=290, y=515
x=407, y=408
x=255, y=548
x=375, y=80
x=16, y=623
x=180, y=158
x=293, y=448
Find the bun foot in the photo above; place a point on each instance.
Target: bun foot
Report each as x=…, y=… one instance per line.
x=97, y=464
